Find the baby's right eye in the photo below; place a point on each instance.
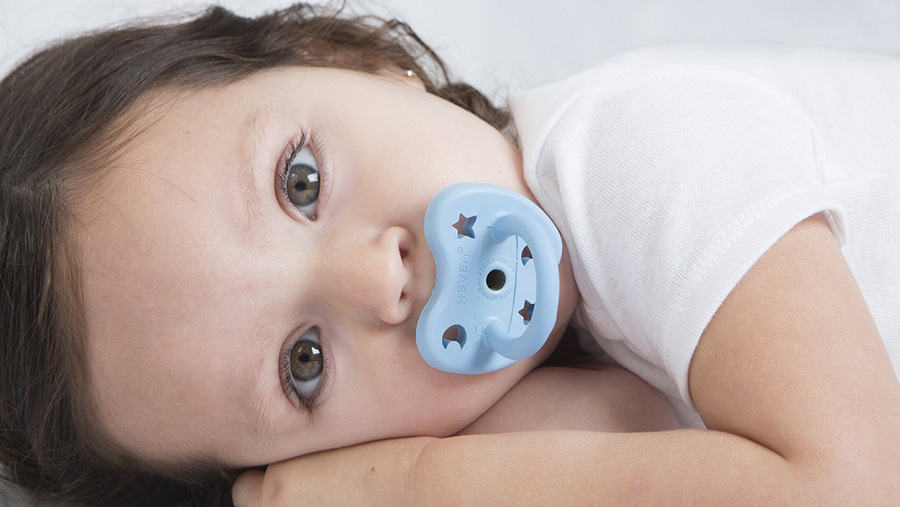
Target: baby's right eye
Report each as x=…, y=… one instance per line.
x=306, y=364
x=303, y=368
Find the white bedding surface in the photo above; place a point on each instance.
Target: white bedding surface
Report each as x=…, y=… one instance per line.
x=502, y=46
x=513, y=44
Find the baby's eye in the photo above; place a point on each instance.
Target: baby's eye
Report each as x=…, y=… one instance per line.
x=306, y=362
x=300, y=178
x=304, y=370
x=301, y=181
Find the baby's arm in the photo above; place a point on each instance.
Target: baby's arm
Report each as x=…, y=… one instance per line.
x=591, y=397
x=549, y=401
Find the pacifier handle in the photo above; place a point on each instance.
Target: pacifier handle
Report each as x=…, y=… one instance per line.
x=547, y=281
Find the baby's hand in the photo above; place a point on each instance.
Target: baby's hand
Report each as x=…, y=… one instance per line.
x=594, y=397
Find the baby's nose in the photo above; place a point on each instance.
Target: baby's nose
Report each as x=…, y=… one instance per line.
x=370, y=279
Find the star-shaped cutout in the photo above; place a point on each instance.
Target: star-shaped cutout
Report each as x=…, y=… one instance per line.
x=526, y=255
x=464, y=226
x=527, y=311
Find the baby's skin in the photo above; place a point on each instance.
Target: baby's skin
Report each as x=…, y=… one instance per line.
x=583, y=395
x=574, y=394
x=573, y=390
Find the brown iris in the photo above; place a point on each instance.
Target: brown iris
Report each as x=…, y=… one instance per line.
x=302, y=184
x=306, y=360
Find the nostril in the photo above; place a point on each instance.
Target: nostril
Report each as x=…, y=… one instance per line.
x=406, y=243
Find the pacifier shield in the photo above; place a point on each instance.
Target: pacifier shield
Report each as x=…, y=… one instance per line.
x=496, y=287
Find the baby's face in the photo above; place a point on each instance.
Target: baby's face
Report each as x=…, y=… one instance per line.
x=203, y=279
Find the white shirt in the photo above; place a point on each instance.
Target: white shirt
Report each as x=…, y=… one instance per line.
x=670, y=170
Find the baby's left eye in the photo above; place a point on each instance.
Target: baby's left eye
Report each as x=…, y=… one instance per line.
x=301, y=181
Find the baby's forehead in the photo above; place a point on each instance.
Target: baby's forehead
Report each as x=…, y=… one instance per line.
x=160, y=239
x=313, y=88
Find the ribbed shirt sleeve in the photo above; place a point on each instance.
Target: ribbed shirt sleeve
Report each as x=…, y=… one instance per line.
x=668, y=183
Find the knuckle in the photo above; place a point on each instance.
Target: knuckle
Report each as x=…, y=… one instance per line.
x=272, y=493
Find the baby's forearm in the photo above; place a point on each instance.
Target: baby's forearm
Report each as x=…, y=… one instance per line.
x=602, y=398
x=575, y=468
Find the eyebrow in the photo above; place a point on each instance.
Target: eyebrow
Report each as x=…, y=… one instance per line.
x=249, y=159
x=251, y=392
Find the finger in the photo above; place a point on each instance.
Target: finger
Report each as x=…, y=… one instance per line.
x=246, y=489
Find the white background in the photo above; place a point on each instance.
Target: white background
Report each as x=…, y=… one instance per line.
x=502, y=46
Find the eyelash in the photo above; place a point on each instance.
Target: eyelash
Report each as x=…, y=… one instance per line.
x=285, y=368
x=294, y=148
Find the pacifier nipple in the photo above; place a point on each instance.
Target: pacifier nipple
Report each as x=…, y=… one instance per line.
x=497, y=281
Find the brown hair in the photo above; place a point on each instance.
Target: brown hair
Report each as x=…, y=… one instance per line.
x=62, y=113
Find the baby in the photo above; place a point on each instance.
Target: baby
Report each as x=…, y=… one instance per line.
x=214, y=258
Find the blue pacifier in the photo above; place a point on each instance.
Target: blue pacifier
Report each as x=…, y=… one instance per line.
x=496, y=288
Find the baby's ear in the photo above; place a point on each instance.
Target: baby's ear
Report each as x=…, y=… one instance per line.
x=405, y=76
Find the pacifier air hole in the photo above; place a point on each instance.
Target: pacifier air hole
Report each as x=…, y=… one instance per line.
x=496, y=279
x=454, y=333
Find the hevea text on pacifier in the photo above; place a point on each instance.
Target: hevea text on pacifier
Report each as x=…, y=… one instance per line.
x=496, y=286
